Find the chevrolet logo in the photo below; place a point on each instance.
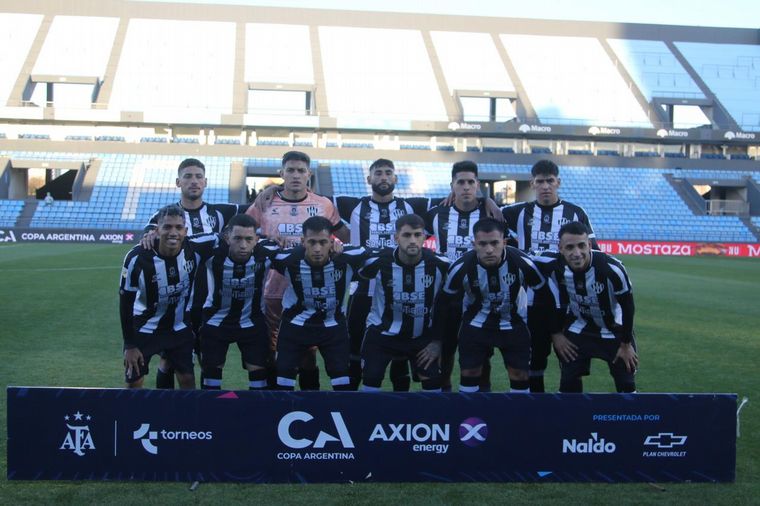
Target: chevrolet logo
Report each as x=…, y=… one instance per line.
x=665, y=440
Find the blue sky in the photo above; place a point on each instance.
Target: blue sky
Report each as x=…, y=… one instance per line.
x=725, y=13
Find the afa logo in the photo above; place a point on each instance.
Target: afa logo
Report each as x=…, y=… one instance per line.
x=78, y=438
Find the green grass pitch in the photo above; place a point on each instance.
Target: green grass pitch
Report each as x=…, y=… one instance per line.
x=697, y=323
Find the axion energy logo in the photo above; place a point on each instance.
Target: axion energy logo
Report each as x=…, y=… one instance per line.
x=473, y=432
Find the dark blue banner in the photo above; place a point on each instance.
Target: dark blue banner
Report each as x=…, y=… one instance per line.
x=271, y=437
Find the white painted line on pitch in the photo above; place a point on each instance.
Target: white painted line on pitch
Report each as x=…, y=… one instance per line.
x=61, y=269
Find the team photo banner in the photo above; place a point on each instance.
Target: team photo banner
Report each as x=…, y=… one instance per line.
x=68, y=235
x=680, y=248
x=312, y=437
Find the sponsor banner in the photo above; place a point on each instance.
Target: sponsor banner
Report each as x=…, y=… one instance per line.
x=680, y=248
x=276, y=437
x=547, y=128
x=8, y=235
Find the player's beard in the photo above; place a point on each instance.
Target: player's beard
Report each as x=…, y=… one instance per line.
x=383, y=189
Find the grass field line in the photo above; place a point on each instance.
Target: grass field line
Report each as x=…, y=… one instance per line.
x=55, y=269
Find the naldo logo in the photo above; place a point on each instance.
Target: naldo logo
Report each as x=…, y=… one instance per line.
x=590, y=445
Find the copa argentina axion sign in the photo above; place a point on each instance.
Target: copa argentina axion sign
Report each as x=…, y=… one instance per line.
x=273, y=437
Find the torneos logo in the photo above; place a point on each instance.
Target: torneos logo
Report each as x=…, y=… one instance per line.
x=285, y=431
x=473, y=431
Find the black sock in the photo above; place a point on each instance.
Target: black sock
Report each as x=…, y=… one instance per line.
x=308, y=379
x=165, y=379
x=355, y=373
x=536, y=384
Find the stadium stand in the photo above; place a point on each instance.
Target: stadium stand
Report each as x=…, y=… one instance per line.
x=732, y=71
x=10, y=210
x=592, y=91
x=420, y=90
x=655, y=69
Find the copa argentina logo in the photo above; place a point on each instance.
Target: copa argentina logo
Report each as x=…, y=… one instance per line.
x=78, y=437
x=8, y=236
x=591, y=445
x=298, y=430
x=151, y=438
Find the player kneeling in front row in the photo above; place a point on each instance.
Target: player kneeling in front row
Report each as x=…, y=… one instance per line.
x=599, y=323
x=400, y=324
x=491, y=277
x=233, y=310
x=155, y=288
x=317, y=283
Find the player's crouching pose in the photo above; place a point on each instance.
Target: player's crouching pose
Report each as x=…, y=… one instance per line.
x=317, y=284
x=233, y=310
x=491, y=278
x=599, y=323
x=400, y=323
x=155, y=289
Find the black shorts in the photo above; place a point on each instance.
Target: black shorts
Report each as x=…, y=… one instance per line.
x=358, y=308
x=595, y=347
x=378, y=350
x=539, y=319
x=476, y=344
x=253, y=343
x=450, y=332
x=294, y=340
x=177, y=347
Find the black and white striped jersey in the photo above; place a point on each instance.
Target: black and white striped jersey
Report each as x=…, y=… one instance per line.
x=235, y=289
x=315, y=296
x=599, y=299
x=452, y=228
x=206, y=219
x=161, y=287
x=404, y=296
x=374, y=223
x=492, y=294
x=535, y=228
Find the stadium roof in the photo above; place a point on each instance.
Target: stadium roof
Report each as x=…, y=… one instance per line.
x=733, y=13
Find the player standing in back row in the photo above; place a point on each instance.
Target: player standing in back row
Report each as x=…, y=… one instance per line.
x=200, y=218
x=534, y=228
x=452, y=228
x=282, y=221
